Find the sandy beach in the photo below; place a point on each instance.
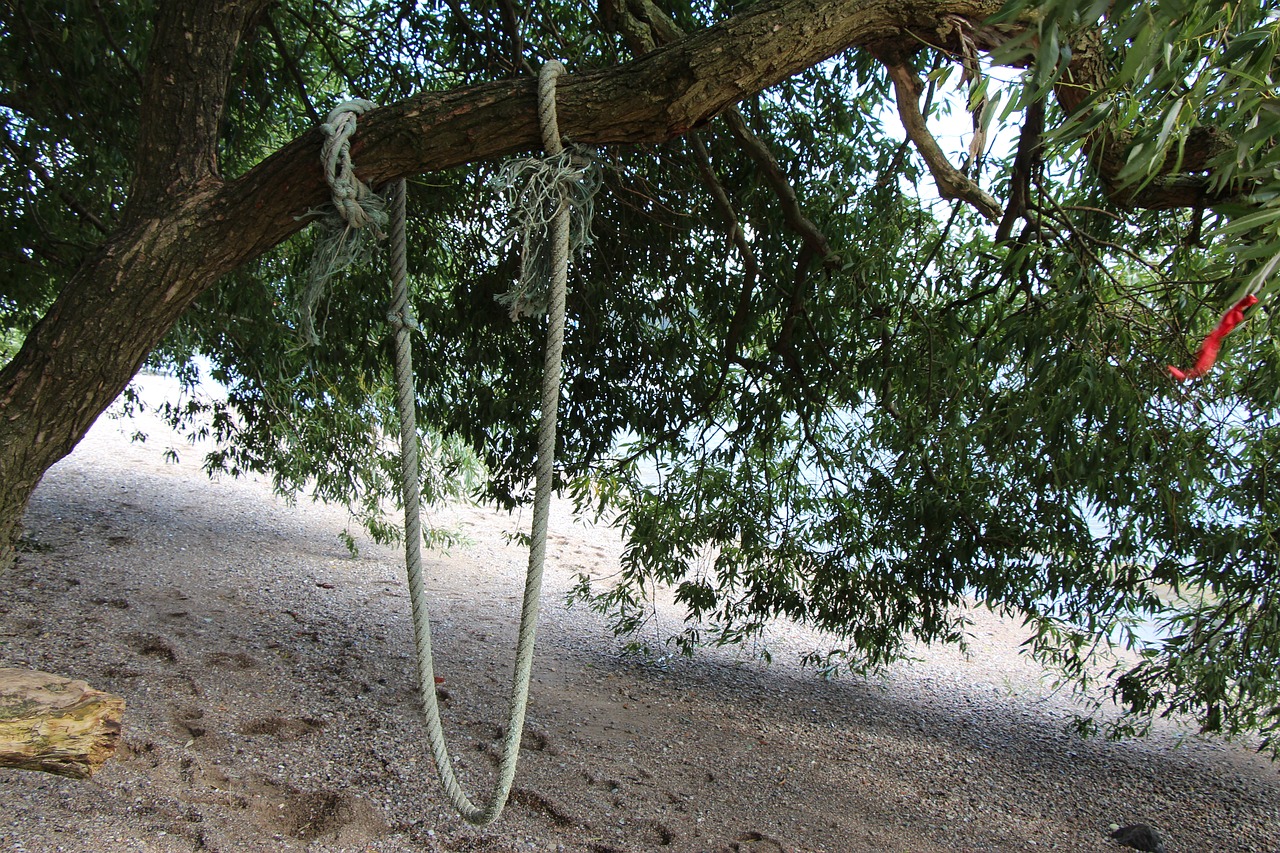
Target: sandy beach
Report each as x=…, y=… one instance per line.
x=272, y=707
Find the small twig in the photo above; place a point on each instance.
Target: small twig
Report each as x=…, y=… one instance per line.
x=1085, y=208
x=101, y=18
x=511, y=23
x=1083, y=237
x=292, y=67
x=750, y=268
x=768, y=165
x=72, y=203
x=1024, y=162
x=83, y=212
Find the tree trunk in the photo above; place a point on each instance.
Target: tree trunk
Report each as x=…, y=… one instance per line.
x=56, y=724
x=84, y=351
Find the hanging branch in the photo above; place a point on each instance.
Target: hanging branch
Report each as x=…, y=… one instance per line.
x=1024, y=163
x=760, y=154
x=73, y=204
x=645, y=28
x=101, y=18
x=952, y=183
x=750, y=267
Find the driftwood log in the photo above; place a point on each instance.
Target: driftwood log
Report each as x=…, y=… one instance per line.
x=56, y=724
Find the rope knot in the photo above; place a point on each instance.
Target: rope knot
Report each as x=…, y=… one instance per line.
x=358, y=205
x=352, y=224
x=402, y=320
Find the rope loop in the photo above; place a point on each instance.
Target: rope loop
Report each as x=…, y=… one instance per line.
x=481, y=815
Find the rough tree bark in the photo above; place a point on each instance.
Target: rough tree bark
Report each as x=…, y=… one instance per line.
x=185, y=227
x=120, y=302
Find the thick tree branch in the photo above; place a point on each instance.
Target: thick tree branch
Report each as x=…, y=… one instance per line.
x=183, y=96
x=636, y=32
x=1108, y=146
x=655, y=98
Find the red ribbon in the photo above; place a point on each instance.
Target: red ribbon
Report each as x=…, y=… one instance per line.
x=1208, y=353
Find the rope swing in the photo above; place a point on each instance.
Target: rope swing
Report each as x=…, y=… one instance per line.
x=565, y=182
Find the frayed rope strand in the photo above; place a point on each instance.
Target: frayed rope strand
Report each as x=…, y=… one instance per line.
x=535, y=188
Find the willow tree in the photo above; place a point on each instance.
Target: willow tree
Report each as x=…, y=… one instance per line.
x=823, y=366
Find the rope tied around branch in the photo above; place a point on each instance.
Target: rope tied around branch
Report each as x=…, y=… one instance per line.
x=355, y=221
x=536, y=189
x=354, y=202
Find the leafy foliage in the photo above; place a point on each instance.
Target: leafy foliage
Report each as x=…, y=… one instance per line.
x=68, y=102
x=867, y=439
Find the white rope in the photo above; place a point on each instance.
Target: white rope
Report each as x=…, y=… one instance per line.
x=351, y=196
x=337, y=165
x=537, y=189
x=354, y=223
